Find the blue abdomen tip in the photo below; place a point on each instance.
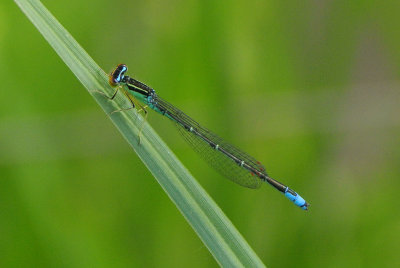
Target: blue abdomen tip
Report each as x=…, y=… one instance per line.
x=296, y=198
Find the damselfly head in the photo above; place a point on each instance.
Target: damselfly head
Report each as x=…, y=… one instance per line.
x=117, y=75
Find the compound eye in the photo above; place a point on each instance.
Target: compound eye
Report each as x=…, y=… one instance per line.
x=117, y=75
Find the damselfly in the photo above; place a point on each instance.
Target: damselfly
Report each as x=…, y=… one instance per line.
x=222, y=156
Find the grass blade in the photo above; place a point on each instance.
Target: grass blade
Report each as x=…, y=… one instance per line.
x=216, y=231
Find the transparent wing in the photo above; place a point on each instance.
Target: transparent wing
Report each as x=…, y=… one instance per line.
x=225, y=165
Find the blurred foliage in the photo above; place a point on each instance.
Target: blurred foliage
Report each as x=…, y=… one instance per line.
x=309, y=88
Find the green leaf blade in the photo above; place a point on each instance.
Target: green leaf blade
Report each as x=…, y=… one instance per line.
x=215, y=230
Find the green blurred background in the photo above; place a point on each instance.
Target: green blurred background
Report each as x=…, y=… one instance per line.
x=310, y=88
